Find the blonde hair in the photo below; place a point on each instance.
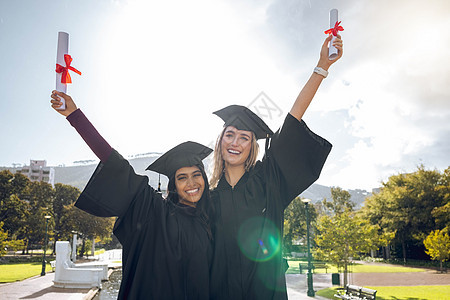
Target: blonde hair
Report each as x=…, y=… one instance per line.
x=219, y=163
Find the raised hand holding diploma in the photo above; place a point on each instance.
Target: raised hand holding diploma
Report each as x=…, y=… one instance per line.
x=334, y=30
x=63, y=61
x=57, y=101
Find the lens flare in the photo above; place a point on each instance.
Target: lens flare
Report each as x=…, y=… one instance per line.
x=263, y=248
x=259, y=239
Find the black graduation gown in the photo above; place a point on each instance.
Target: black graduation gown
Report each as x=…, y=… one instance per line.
x=166, y=249
x=248, y=230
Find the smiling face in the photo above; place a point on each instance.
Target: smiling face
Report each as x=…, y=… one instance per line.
x=236, y=145
x=189, y=184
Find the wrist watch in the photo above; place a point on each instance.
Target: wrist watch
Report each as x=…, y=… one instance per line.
x=321, y=71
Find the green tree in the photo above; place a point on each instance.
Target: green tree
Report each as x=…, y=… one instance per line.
x=340, y=202
x=64, y=195
x=295, y=221
x=13, y=210
x=437, y=245
x=3, y=238
x=405, y=204
x=344, y=236
x=40, y=198
x=8, y=244
x=442, y=213
x=12, y=184
x=87, y=226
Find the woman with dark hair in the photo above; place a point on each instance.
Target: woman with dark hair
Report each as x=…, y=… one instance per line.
x=250, y=196
x=167, y=243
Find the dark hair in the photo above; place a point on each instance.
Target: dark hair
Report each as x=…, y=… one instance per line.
x=204, y=207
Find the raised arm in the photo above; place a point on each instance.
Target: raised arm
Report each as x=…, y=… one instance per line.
x=309, y=90
x=78, y=120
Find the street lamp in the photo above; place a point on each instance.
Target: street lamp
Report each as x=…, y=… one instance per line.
x=310, y=291
x=45, y=245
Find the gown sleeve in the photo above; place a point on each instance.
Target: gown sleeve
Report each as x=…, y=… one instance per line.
x=113, y=188
x=299, y=155
x=90, y=135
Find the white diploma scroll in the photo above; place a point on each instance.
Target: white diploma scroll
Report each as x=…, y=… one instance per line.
x=63, y=48
x=332, y=51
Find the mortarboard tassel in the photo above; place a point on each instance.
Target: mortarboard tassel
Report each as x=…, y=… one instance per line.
x=159, y=183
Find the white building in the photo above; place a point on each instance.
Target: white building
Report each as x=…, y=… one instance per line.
x=38, y=171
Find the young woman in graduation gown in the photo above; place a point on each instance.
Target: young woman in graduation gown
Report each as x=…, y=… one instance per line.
x=167, y=247
x=250, y=197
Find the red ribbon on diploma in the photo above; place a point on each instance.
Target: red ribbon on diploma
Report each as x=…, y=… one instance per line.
x=335, y=29
x=65, y=77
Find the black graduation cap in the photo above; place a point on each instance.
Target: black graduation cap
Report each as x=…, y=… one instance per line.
x=244, y=119
x=186, y=154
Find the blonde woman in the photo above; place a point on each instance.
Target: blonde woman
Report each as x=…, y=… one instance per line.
x=250, y=196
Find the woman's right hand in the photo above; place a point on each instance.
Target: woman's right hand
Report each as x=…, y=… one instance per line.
x=56, y=103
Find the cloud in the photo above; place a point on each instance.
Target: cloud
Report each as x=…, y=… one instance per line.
x=154, y=74
x=405, y=106
x=393, y=81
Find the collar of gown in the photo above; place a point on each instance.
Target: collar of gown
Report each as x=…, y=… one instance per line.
x=223, y=183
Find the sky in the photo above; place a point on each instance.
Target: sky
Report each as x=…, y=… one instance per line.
x=154, y=71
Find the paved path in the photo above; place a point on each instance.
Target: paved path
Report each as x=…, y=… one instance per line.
x=297, y=285
x=41, y=287
x=400, y=279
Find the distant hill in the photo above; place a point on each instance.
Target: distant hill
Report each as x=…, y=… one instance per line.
x=79, y=175
x=317, y=193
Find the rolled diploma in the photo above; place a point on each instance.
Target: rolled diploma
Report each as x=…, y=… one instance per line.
x=63, y=48
x=332, y=51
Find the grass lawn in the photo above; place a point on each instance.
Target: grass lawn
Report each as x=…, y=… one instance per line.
x=356, y=268
x=432, y=292
x=16, y=271
x=20, y=271
x=385, y=292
